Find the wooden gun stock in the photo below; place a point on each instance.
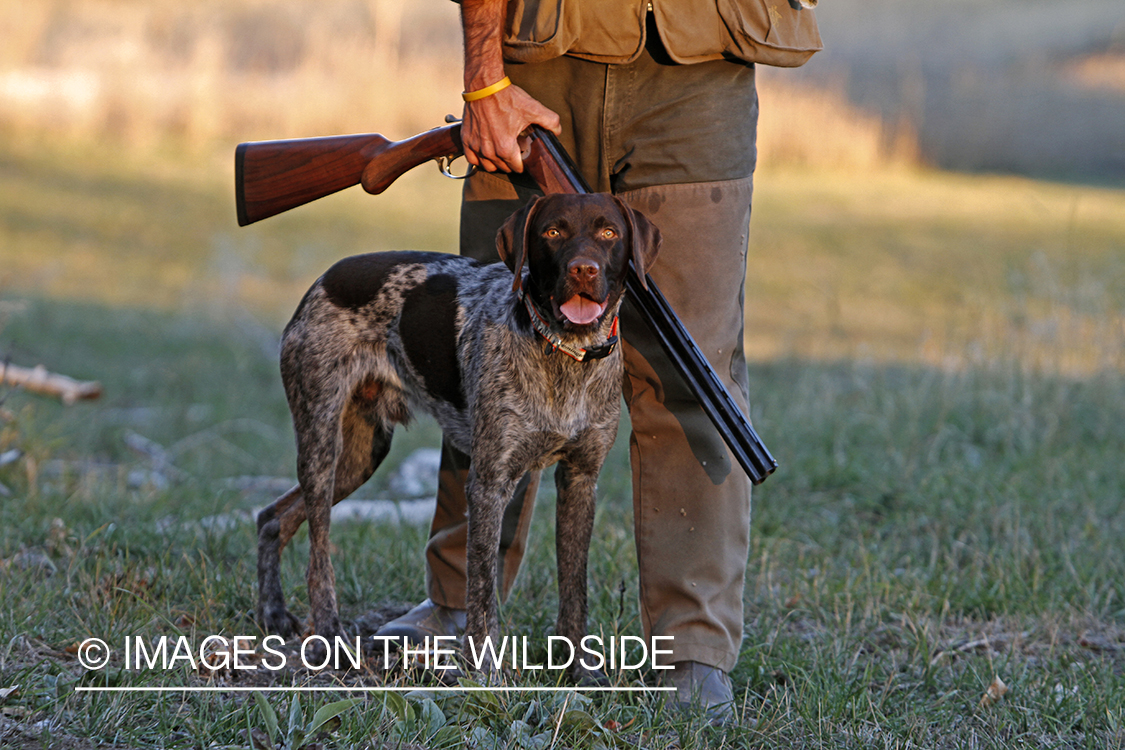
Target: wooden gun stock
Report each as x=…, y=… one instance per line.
x=274, y=176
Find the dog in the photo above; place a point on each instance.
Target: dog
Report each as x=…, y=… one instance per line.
x=518, y=363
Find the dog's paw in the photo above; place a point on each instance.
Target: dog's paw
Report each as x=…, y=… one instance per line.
x=490, y=677
x=449, y=677
x=279, y=620
x=485, y=670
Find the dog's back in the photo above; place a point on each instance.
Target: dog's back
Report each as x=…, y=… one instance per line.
x=382, y=335
x=383, y=329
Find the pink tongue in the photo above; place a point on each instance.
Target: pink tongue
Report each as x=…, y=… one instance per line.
x=580, y=311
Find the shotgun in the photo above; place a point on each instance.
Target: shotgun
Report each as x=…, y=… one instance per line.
x=275, y=176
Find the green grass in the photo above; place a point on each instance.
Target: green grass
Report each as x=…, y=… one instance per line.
x=936, y=365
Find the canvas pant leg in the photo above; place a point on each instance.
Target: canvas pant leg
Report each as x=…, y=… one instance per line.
x=691, y=500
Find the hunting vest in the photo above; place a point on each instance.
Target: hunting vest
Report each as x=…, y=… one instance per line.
x=772, y=32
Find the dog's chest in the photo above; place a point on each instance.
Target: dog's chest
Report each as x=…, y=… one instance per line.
x=518, y=385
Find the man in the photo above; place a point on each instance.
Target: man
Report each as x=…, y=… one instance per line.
x=656, y=103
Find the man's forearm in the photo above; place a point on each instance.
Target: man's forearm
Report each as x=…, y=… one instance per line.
x=492, y=123
x=482, y=24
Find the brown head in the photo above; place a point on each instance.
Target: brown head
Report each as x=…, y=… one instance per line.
x=577, y=249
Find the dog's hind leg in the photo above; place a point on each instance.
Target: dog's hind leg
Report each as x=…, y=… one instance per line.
x=366, y=442
x=272, y=614
x=318, y=452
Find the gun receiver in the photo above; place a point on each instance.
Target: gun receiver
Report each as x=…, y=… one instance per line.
x=274, y=176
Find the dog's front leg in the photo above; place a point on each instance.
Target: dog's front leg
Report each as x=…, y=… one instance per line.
x=574, y=524
x=487, y=497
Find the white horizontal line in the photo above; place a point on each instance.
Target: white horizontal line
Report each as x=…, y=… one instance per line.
x=327, y=689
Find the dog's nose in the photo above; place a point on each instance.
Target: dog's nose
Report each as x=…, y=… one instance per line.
x=584, y=269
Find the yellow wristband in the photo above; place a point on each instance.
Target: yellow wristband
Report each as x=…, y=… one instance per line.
x=472, y=96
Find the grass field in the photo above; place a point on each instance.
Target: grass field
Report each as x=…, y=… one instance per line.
x=937, y=363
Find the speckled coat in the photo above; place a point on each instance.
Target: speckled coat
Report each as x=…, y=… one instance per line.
x=382, y=335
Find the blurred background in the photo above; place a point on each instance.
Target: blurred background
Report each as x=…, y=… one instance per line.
x=1024, y=86
x=1020, y=86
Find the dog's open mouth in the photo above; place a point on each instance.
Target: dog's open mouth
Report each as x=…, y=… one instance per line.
x=581, y=310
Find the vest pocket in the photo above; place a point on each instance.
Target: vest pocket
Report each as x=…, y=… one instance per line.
x=536, y=30
x=770, y=32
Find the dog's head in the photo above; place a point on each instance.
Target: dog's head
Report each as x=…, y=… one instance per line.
x=577, y=249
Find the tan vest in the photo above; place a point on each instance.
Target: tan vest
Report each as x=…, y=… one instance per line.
x=771, y=32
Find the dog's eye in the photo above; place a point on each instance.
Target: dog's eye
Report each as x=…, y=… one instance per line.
x=609, y=233
x=552, y=233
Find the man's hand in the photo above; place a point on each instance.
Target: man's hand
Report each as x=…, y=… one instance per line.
x=491, y=126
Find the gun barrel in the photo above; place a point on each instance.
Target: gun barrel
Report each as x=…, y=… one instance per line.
x=715, y=400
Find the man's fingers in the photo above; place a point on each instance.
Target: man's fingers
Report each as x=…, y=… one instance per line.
x=495, y=153
x=511, y=159
x=551, y=122
x=491, y=161
x=491, y=127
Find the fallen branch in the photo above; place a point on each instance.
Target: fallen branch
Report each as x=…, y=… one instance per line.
x=38, y=380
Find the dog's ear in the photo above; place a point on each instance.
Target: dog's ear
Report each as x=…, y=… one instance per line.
x=644, y=238
x=511, y=240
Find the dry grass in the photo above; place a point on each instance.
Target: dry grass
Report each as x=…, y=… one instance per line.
x=1103, y=71
x=936, y=362
x=209, y=74
x=210, y=71
x=810, y=126
x=942, y=269
x=1032, y=88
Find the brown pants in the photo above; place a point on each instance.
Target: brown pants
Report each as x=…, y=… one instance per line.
x=677, y=143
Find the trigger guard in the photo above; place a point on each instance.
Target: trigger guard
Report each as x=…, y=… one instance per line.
x=444, y=163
